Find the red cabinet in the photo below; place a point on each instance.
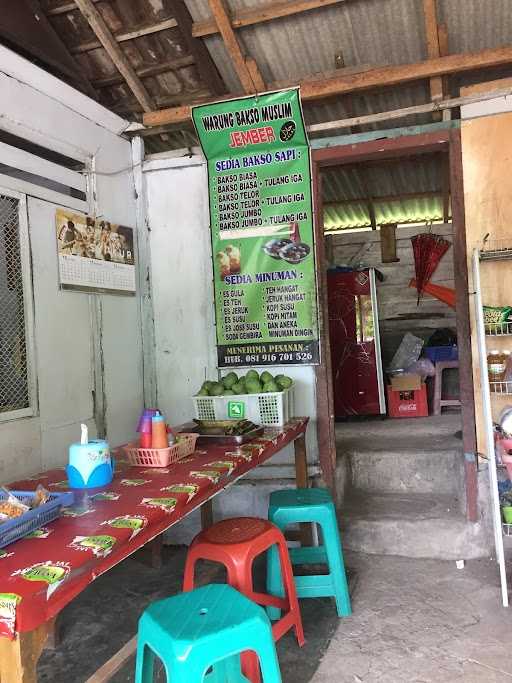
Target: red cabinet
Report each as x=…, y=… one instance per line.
x=355, y=343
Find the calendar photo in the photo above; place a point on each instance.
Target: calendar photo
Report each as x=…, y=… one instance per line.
x=94, y=254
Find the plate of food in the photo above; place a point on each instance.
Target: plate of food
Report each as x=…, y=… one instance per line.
x=295, y=252
x=227, y=431
x=273, y=248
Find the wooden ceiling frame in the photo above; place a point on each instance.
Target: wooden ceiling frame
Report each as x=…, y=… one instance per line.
x=239, y=19
x=433, y=51
x=340, y=83
x=79, y=79
x=63, y=9
x=192, y=97
x=147, y=71
x=205, y=64
x=147, y=30
x=245, y=67
x=113, y=49
x=261, y=14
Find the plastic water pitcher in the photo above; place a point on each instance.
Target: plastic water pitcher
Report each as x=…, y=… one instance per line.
x=90, y=463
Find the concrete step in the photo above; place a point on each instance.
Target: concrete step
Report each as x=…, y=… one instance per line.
x=416, y=429
x=419, y=525
x=393, y=457
x=389, y=469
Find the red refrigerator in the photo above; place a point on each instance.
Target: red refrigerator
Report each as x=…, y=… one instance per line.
x=358, y=380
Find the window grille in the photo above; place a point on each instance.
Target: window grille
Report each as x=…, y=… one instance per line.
x=14, y=370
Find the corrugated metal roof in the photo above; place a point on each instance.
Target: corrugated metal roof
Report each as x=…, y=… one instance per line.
x=475, y=25
x=356, y=215
x=411, y=191
x=405, y=176
x=359, y=33
x=365, y=32
x=288, y=49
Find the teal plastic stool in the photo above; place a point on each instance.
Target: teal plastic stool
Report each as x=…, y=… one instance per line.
x=290, y=506
x=199, y=637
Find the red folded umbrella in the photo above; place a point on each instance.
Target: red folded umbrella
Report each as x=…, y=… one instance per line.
x=428, y=250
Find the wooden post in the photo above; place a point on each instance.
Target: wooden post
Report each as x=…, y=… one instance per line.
x=53, y=633
x=467, y=397
x=301, y=462
x=446, y=187
x=207, y=514
x=302, y=482
x=388, y=243
x=155, y=547
x=324, y=392
x=19, y=657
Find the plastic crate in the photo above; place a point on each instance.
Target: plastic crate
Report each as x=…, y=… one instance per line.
x=270, y=409
x=440, y=353
x=17, y=528
x=162, y=457
x=407, y=403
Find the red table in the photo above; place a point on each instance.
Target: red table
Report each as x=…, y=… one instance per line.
x=41, y=575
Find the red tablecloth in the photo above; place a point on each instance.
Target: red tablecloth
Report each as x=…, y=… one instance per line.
x=40, y=575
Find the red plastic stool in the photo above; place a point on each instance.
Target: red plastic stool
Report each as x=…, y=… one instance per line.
x=236, y=543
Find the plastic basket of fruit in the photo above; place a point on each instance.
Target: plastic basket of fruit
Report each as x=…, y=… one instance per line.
x=15, y=528
x=162, y=457
x=263, y=399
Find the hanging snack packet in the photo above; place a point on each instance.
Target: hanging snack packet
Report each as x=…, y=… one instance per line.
x=494, y=315
x=41, y=496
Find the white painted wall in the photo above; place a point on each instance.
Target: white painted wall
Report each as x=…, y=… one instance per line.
x=70, y=328
x=177, y=217
x=183, y=299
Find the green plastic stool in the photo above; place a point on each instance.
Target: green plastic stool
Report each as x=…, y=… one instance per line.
x=290, y=506
x=199, y=637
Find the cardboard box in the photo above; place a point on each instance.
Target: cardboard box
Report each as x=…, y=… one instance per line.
x=406, y=382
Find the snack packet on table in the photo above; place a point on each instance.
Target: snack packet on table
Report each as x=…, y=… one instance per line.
x=10, y=506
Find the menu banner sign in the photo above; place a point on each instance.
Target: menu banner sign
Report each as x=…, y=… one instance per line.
x=261, y=220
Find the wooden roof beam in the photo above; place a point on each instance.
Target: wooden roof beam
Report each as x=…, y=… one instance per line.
x=127, y=35
x=191, y=97
x=147, y=71
x=339, y=83
x=442, y=32
x=258, y=15
x=433, y=51
x=63, y=9
x=245, y=67
x=446, y=189
x=113, y=49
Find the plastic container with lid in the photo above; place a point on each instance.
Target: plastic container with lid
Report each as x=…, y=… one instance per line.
x=497, y=362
